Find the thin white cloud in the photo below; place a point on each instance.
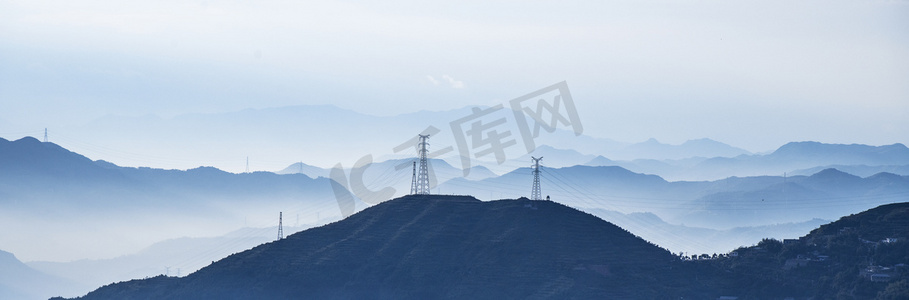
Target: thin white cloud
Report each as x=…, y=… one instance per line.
x=433, y=80
x=454, y=83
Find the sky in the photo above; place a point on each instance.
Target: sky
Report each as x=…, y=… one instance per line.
x=753, y=74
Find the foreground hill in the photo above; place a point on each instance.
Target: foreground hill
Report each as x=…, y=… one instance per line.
x=425, y=247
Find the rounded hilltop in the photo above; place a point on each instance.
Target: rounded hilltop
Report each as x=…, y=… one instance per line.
x=430, y=247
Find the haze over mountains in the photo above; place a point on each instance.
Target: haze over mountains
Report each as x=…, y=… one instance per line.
x=101, y=210
x=38, y=175
x=19, y=281
x=294, y=133
x=130, y=208
x=274, y=138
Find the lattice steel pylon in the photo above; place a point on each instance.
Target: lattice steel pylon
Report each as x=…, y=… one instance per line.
x=280, y=225
x=535, y=194
x=413, y=180
x=423, y=172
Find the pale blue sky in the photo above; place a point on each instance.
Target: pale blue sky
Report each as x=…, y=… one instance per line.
x=754, y=74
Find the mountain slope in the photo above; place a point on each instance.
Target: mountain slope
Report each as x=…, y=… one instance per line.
x=433, y=247
x=860, y=256
x=18, y=281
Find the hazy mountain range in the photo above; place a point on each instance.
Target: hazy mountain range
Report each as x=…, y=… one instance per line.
x=320, y=135
x=126, y=209
x=64, y=197
x=721, y=204
x=796, y=158
x=323, y=136
x=173, y=257
x=19, y=281
x=209, y=202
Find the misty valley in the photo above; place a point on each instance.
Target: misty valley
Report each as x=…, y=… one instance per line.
x=606, y=231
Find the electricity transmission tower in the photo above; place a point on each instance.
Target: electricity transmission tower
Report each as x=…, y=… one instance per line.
x=535, y=194
x=45, y=135
x=422, y=186
x=280, y=225
x=413, y=180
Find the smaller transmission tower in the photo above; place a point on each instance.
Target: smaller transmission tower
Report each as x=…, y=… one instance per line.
x=535, y=194
x=423, y=174
x=45, y=135
x=280, y=225
x=413, y=181
x=247, y=164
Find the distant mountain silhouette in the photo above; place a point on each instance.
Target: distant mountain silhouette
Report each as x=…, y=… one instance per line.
x=44, y=186
x=302, y=168
x=600, y=161
x=801, y=155
x=653, y=149
x=797, y=158
x=18, y=281
x=815, y=153
x=423, y=247
x=721, y=204
x=294, y=131
x=306, y=132
x=858, y=170
x=28, y=162
x=31, y=158
x=555, y=158
x=823, y=195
